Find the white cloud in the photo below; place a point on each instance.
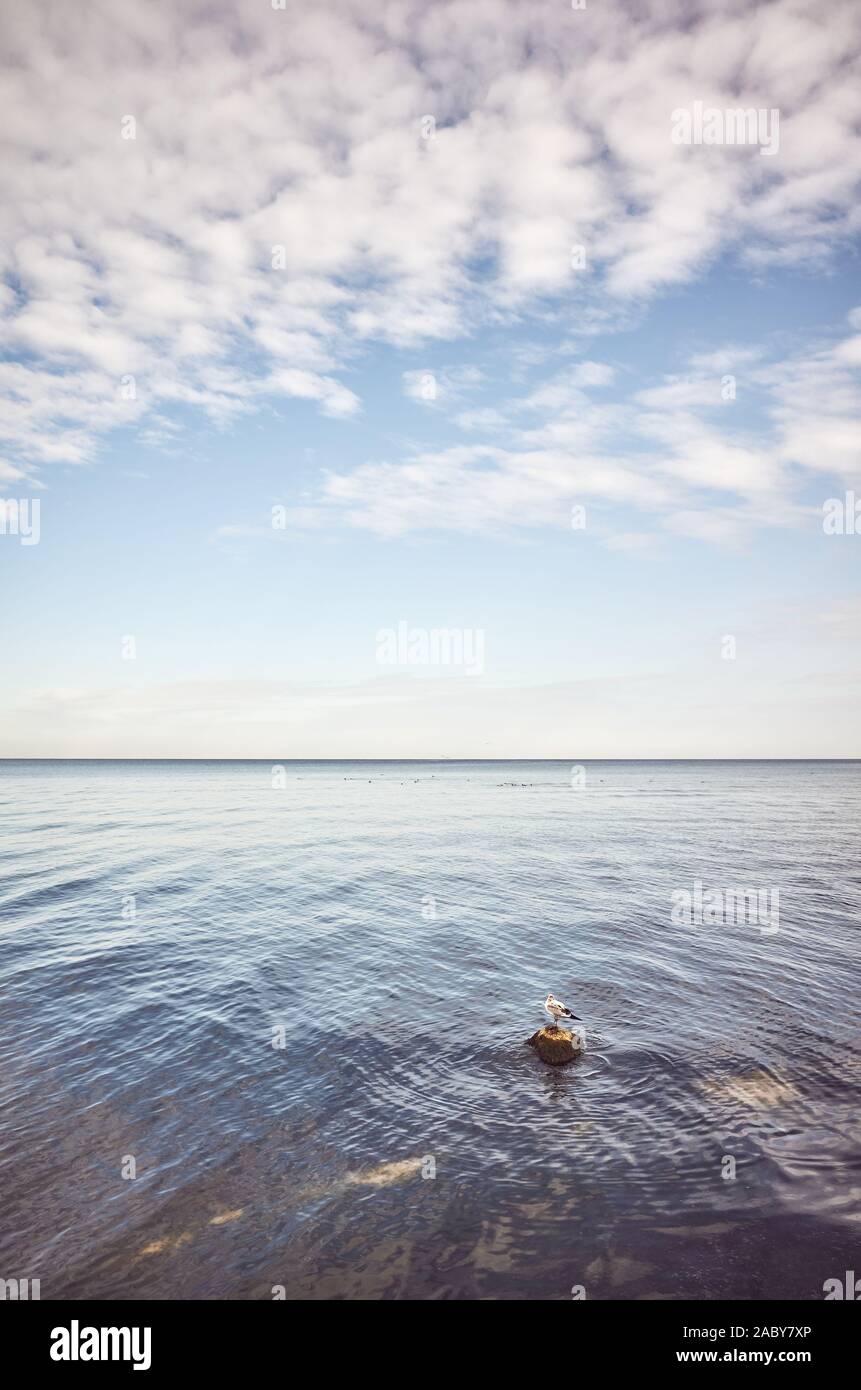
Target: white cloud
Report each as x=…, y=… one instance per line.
x=675, y=452
x=302, y=129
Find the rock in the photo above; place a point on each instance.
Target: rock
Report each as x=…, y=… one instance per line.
x=556, y=1045
x=386, y=1173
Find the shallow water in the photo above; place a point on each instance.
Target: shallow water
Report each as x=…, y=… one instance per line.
x=396, y=926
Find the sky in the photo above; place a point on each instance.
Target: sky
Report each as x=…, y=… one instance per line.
x=430, y=379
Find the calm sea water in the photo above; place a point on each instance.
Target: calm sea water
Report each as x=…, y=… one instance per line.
x=395, y=926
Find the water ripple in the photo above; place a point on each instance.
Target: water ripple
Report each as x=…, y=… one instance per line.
x=392, y=929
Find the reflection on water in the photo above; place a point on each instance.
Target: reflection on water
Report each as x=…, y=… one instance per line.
x=392, y=929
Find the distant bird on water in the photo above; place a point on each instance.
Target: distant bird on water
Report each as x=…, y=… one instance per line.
x=557, y=1010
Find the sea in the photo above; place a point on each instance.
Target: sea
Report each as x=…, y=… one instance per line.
x=263, y=1029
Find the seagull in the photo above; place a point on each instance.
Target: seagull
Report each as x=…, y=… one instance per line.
x=557, y=1010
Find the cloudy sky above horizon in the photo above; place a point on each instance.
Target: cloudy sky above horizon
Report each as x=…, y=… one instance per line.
x=321, y=320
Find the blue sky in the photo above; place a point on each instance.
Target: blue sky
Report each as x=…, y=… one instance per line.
x=325, y=305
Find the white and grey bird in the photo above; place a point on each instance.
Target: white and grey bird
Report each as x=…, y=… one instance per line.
x=557, y=1010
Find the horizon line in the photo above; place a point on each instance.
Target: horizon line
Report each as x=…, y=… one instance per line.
x=13, y=758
